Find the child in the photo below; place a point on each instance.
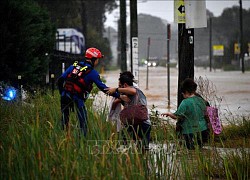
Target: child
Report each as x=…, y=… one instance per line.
x=191, y=115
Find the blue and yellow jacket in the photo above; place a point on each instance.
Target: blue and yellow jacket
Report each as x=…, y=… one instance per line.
x=91, y=76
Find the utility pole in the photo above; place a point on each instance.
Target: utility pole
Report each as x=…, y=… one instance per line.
x=123, y=35
x=147, y=62
x=186, y=55
x=168, y=62
x=133, y=27
x=186, y=16
x=19, y=80
x=210, y=44
x=241, y=39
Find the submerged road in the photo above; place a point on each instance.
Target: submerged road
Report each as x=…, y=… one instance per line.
x=228, y=90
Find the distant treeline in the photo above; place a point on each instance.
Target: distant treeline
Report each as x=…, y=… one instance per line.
x=225, y=31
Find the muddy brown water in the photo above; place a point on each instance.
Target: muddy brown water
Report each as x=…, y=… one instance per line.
x=232, y=88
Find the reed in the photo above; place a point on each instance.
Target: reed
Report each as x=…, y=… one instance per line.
x=33, y=146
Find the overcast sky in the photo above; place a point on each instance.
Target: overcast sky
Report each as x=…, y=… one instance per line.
x=165, y=9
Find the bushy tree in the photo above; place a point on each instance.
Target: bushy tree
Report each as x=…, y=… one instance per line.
x=26, y=39
x=228, y=26
x=86, y=16
x=225, y=31
x=95, y=39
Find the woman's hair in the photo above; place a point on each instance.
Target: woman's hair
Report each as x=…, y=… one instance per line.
x=126, y=77
x=188, y=85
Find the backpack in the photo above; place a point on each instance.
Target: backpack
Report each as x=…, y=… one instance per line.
x=75, y=83
x=214, y=120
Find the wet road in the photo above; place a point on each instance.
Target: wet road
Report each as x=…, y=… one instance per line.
x=230, y=89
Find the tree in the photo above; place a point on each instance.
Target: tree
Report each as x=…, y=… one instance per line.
x=228, y=26
x=27, y=36
x=225, y=31
x=86, y=16
x=97, y=40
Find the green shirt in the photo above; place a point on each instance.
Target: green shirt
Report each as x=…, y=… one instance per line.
x=192, y=109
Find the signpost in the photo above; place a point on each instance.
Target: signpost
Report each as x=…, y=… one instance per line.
x=19, y=79
x=168, y=62
x=248, y=45
x=237, y=51
x=52, y=76
x=123, y=35
x=186, y=11
x=147, y=62
x=133, y=29
x=135, y=58
x=236, y=48
x=241, y=39
x=218, y=50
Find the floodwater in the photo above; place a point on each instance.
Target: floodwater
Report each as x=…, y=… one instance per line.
x=230, y=93
x=232, y=89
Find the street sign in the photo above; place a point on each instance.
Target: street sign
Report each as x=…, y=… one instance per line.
x=168, y=31
x=195, y=14
x=236, y=48
x=179, y=11
x=218, y=50
x=135, y=58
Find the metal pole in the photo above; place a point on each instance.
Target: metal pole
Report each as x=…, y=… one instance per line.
x=52, y=76
x=58, y=40
x=123, y=35
x=19, y=78
x=210, y=44
x=168, y=63
x=133, y=26
x=241, y=39
x=147, y=62
x=64, y=42
x=185, y=55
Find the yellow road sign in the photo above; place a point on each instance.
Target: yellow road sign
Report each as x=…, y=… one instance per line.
x=236, y=48
x=179, y=11
x=218, y=50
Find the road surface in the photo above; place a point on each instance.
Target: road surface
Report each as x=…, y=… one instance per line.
x=228, y=90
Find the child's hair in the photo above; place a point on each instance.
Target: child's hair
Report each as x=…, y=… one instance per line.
x=188, y=85
x=126, y=77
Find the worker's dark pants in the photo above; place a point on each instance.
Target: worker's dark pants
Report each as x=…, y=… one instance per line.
x=67, y=104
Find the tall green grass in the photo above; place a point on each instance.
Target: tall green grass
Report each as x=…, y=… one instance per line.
x=33, y=146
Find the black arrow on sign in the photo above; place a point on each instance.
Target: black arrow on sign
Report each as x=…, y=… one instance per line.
x=181, y=9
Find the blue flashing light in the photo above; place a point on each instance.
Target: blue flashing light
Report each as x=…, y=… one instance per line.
x=9, y=94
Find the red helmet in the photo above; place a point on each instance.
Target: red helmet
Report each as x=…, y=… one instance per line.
x=93, y=53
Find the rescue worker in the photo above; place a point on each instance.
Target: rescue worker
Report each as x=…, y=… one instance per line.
x=75, y=85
